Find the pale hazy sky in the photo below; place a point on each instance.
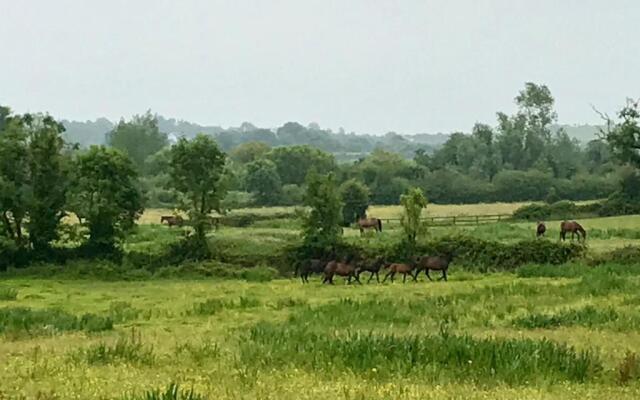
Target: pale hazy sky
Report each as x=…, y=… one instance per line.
x=368, y=66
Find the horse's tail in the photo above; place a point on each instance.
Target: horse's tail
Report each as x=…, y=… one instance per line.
x=379, y=224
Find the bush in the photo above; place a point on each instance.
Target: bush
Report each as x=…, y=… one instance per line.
x=533, y=212
x=618, y=204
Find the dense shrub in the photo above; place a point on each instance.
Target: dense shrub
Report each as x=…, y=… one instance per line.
x=559, y=210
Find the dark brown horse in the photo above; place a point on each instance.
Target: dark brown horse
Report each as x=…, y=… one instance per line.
x=373, y=267
x=434, y=263
x=172, y=220
x=398, y=268
x=574, y=228
x=370, y=223
x=540, y=229
x=347, y=269
x=314, y=266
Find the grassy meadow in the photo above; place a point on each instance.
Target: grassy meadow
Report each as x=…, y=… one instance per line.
x=499, y=336
x=567, y=331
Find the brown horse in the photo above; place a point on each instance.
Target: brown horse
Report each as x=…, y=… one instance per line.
x=434, y=263
x=540, y=229
x=374, y=268
x=346, y=269
x=370, y=223
x=574, y=228
x=172, y=220
x=398, y=268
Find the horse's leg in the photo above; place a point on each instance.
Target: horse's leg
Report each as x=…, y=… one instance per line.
x=357, y=278
x=370, y=276
x=404, y=277
x=444, y=274
x=386, y=276
x=426, y=271
x=377, y=277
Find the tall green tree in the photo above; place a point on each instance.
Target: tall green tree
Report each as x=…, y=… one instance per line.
x=413, y=202
x=294, y=162
x=105, y=196
x=355, y=197
x=14, y=179
x=48, y=173
x=321, y=226
x=138, y=138
x=196, y=169
x=249, y=152
x=263, y=181
x=623, y=136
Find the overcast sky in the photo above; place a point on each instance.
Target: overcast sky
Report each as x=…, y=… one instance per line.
x=368, y=66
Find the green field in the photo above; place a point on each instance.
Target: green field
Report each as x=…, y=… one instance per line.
x=283, y=340
x=539, y=332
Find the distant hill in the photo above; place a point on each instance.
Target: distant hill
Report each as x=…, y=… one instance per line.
x=345, y=146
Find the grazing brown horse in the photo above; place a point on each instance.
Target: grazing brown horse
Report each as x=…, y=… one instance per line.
x=434, y=263
x=370, y=223
x=398, y=268
x=314, y=266
x=574, y=228
x=374, y=268
x=540, y=229
x=346, y=269
x=172, y=220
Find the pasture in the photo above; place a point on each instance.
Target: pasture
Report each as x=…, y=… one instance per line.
x=499, y=336
x=567, y=331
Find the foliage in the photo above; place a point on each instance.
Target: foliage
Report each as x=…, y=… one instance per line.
x=624, y=136
x=293, y=163
x=249, y=152
x=196, y=171
x=263, y=181
x=105, y=196
x=413, y=202
x=138, y=138
x=355, y=197
x=321, y=226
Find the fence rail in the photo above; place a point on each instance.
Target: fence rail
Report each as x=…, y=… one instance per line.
x=460, y=219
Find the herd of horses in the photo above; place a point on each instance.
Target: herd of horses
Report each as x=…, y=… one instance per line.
x=352, y=269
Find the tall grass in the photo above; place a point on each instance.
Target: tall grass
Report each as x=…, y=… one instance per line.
x=130, y=350
x=434, y=358
x=214, y=306
x=21, y=320
x=172, y=392
x=588, y=316
x=8, y=294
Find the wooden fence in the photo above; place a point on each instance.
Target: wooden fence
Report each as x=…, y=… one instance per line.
x=460, y=220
